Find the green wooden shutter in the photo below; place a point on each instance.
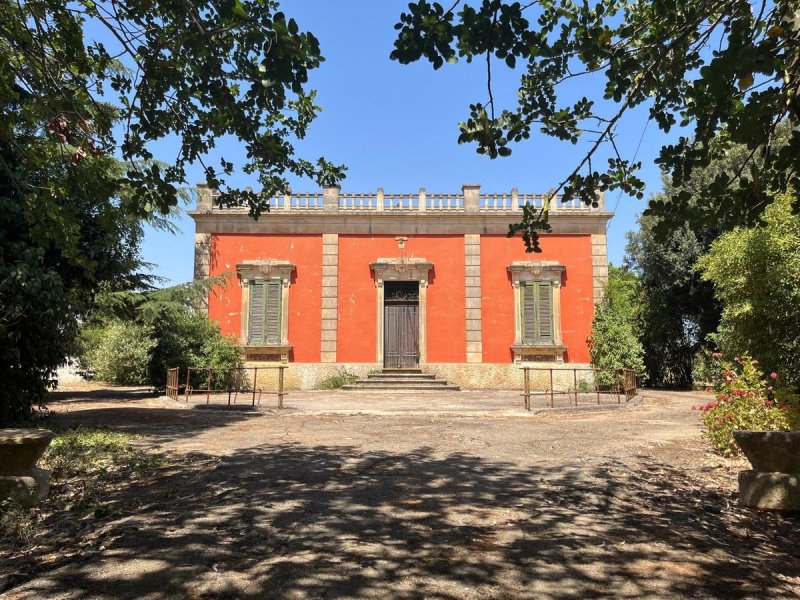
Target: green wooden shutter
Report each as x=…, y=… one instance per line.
x=255, y=331
x=272, y=320
x=528, y=307
x=544, y=307
x=536, y=304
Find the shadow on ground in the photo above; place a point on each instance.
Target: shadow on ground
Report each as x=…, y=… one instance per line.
x=286, y=521
x=137, y=412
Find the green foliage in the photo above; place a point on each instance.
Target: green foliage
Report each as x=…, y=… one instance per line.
x=90, y=451
x=704, y=368
x=680, y=314
x=756, y=276
x=178, y=335
x=335, y=382
x=54, y=257
x=119, y=353
x=641, y=54
x=116, y=78
x=83, y=82
x=678, y=309
x=615, y=343
x=745, y=399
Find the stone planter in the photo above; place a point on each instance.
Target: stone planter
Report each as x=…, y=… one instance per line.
x=774, y=482
x=20, y=450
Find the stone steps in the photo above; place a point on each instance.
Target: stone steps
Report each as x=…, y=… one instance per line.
x=399, y=380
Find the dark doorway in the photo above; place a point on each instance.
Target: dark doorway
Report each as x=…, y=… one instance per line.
x=401, y=324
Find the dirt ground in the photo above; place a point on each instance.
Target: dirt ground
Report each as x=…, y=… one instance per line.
x=299, y=504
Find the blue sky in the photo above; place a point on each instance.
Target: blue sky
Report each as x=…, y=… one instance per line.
x=395, y=127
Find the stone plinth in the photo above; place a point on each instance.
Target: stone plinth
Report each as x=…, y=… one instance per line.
x=774, y=482
x=20, y=450
x=772, y=491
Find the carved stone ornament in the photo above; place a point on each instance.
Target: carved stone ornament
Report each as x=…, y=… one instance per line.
x=401, y=269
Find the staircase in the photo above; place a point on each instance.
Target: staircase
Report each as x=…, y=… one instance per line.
x=389, y=380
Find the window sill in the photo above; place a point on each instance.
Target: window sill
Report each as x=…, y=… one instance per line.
x=267, y=347
x=538, y=352
x=267, y=352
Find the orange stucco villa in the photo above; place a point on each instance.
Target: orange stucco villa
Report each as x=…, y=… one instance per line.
x=335, y=280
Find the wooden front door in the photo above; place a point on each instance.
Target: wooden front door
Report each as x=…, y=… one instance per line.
x=401, y=325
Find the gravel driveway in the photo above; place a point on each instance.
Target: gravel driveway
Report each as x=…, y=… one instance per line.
x=624, y=503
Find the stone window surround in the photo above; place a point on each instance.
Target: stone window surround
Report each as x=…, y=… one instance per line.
x=266, y=269
x=537, y=270
x=401, y=269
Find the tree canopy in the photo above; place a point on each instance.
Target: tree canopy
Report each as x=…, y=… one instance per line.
x=116, y=78
x=728, y=70
x=88, y=90
x=756, y=276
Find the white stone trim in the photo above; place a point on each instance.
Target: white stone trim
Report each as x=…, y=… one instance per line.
x=330, y=297
x=537, y=270
x=473, y=323
x=401, y=269
x=266, y=269
x=389, y=223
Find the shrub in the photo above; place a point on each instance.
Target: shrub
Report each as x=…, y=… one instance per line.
x=338, y=380
x=614, y=343
x=756, y=277
x=746, y=399
x=119, y=353
x=704, y=368
x=178, y=335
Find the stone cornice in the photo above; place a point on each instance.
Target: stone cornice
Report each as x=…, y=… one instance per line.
x=389, y=223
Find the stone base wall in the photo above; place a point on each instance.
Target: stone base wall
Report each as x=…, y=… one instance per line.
x=468, y=376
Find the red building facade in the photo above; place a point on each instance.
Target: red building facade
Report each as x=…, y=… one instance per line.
x=365, y=281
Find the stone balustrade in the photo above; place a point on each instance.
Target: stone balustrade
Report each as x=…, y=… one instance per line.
x=470, y=200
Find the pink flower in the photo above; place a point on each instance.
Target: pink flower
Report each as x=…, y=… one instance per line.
x=709, y=389
x=769, y=388
x=773, y=375
x=754, y=361
x=716, y=355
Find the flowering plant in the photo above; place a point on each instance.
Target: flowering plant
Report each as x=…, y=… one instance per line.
x=747, y=399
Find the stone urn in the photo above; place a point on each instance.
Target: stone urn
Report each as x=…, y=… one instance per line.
x=20, y=479
x=774, y=481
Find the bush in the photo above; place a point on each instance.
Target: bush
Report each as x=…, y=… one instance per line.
x=177, y=335
x=614, y=343
x=745, y=399
x=704, y=368
x=756, y=276
x=119, y=353
x=340, y=379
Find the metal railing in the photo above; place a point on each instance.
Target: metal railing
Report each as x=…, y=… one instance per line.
x=228, y=386
x=575, y=386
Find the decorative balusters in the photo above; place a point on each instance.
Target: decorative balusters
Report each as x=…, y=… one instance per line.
x=422, y=201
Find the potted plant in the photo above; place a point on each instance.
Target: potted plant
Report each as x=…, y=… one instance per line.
x=756, y=415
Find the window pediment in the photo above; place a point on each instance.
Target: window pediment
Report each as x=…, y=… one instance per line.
x=401, y=269
x=536, y=270
x=265, y=269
